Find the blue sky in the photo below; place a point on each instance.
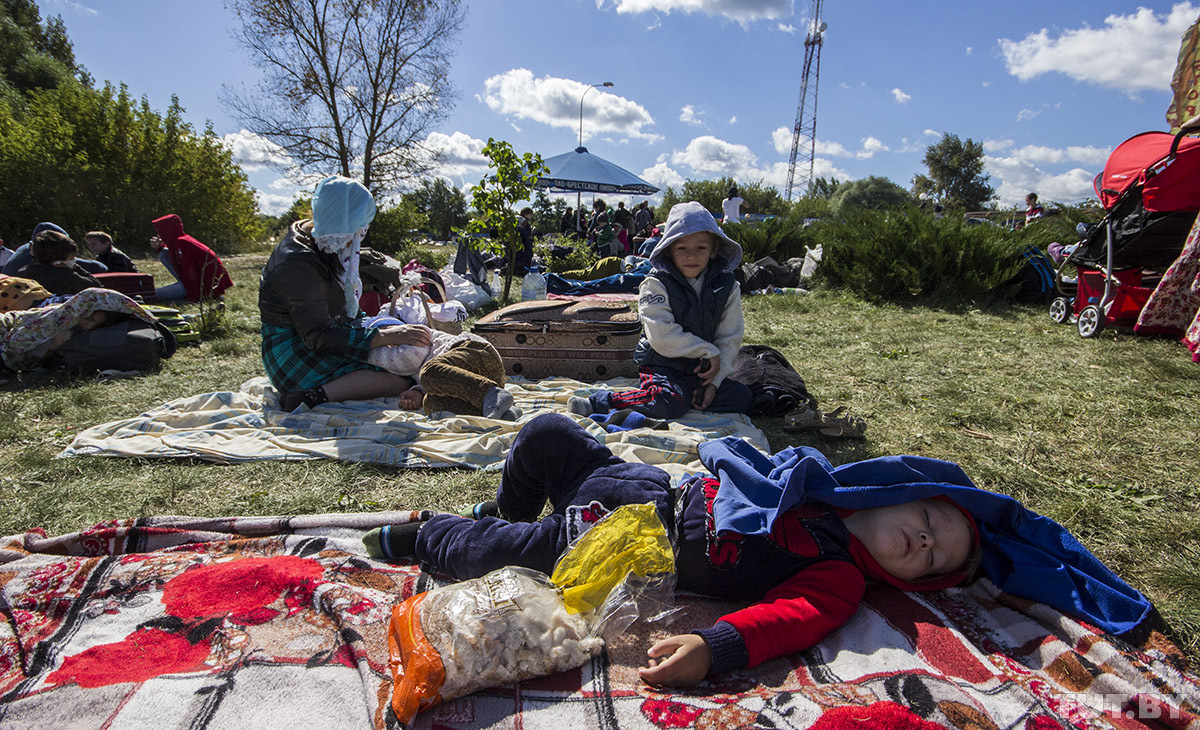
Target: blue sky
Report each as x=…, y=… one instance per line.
x=705, y=88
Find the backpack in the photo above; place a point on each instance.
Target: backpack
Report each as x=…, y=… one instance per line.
x=1034, y=282
x=127, y=345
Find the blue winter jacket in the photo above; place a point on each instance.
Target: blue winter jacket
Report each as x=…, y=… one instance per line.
x=1023, y=553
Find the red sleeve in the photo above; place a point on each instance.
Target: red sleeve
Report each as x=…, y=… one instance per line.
x=799, y=612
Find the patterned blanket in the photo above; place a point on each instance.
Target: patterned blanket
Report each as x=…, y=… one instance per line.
x=237, y=623
x=247, y=425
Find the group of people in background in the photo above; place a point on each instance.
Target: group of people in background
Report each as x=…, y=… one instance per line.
x=52, y=259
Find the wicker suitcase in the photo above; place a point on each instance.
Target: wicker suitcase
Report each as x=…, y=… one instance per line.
x=582, y=340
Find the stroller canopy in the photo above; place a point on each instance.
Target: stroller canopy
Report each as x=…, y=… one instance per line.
x=1173, y=186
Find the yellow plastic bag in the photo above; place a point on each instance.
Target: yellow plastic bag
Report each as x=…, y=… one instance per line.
x=629, y=540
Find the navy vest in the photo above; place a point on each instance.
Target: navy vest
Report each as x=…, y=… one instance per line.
x=698, y=315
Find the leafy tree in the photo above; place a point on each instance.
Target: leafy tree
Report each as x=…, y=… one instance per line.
x=547, y=213
x=33, y=55
x=351, y=87
x=493, y=198
x=873, y=193
x=95, y=159
x=395, y=227
x=955, y=174
x=822, y=188
x=444, y=206
x=759, y=198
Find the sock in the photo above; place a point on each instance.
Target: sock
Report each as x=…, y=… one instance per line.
x=489, y=508
x=392, y=542
x=512, y=414
x=312, y=397
x=496, y=402
x=579, y=405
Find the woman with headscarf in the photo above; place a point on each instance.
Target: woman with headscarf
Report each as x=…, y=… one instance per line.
x=314, y=345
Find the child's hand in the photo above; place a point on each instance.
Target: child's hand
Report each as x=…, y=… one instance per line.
x=411, y=399
x=707, y=369
x=703, y=397
x=688, y=660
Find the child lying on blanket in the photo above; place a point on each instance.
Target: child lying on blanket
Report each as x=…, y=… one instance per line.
x=808, y=570
x=28, y=336
x=460, y=373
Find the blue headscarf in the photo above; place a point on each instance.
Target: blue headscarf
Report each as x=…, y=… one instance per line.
x=342, y=210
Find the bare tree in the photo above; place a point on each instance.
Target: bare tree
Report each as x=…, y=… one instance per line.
x=350, y=87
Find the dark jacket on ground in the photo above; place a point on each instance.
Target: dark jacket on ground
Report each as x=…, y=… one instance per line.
x=59, y=280
x=116, y=261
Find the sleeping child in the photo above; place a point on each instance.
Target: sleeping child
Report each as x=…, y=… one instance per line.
x=790, y=532
x=460, y=373
x=28, y=336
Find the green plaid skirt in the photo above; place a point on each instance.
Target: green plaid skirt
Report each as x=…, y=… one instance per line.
x=291, y=365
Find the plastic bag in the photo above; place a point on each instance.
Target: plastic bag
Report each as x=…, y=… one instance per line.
x=514, y=623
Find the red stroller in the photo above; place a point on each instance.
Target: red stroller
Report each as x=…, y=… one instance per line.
x=1150, y=190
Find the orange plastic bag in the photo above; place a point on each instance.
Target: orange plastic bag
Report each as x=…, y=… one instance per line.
x=417, y=671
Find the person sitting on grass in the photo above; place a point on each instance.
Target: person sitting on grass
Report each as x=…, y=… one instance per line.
x=315, y=347
x=199, y=273
x=54, y=265
x=460, y=373
x=691, y=311
x=807, y=568
x=101, y=246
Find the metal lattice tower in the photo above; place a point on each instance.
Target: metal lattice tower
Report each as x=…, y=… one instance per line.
x=805, y=131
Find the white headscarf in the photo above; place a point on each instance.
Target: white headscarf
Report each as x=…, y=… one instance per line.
x=342, y=210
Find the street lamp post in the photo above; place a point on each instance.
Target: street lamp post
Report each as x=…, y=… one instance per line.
x=579, y=195
x=606, y=84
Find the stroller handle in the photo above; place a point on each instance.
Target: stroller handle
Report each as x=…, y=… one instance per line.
x=1191, y=126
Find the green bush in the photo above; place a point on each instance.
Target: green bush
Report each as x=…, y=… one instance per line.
x=396, y=231
x=779, y=238
x=581, y=258
x=902, y=256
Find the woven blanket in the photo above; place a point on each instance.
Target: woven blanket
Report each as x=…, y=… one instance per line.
x=172, y=622
x=247, y=425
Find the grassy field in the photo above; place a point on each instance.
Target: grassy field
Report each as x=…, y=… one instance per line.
x=1101, y=435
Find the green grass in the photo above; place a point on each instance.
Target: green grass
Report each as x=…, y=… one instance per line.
x=1099, y=434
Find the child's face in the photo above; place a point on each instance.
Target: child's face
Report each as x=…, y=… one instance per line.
x=96, y=319
x=692, y=252
x=96, y=245
x=914, y=540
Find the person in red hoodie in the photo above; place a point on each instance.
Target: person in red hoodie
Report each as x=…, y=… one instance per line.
x=198, y=271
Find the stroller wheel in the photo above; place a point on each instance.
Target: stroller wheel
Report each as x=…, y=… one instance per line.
x=1059, y=312
x=1090, y=321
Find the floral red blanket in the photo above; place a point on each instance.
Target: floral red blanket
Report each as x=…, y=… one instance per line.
x=264, y=622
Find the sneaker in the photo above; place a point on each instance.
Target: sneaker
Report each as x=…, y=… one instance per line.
x=579, y=406
x=512, y=414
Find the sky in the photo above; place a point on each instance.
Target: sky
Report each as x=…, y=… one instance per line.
x=709, y=88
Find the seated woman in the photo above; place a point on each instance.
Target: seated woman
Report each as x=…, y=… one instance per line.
x=54, y=265
x=199, y=272
x=28, y=336
x=315, y=348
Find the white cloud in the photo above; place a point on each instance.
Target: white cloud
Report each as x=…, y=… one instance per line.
x=274, y=203
x=555, y=102
x=687, y=115
x=254, y=152
x=662, y=175
x=1026, y=169
x=870, y=146
x=969, y=50
x=1130, y=53
x=743, y=11
x=462, y=157
x=832, y=149
x=707, y=157
x=996, y=145
x=76, y=6
x=900, y=96
x=1026, y=114
x=733, y=120
x=786, y=28
x=931, y=133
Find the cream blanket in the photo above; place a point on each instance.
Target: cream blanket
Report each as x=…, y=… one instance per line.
x=246, y=425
